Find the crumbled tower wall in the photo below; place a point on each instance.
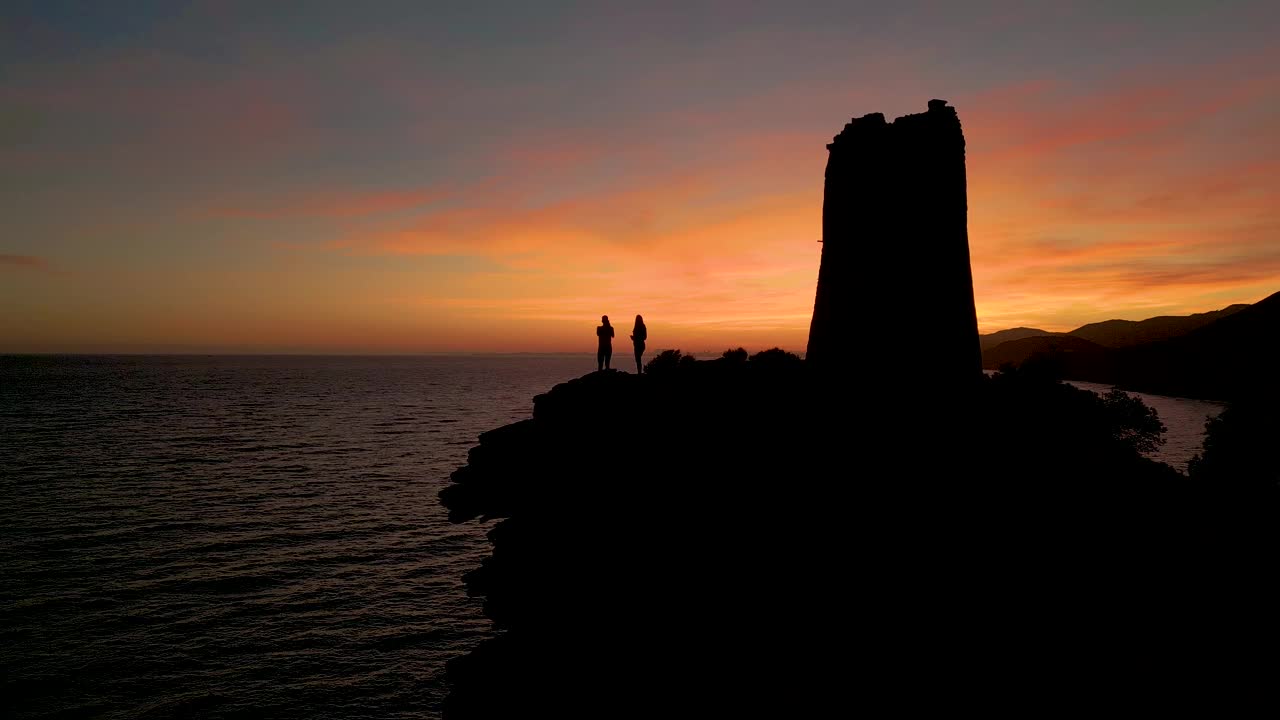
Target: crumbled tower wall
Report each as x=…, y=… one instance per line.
x=895, y=288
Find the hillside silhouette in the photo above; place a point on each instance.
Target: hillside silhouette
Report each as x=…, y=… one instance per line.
x=1222, y=354
x=991, y=340
x=1119, y=333
x=739, y=538
x=1230, y=358
x=1127, y=333
x=1072, y=354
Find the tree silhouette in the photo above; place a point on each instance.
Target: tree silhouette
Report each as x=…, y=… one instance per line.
x=1132, y=422
x=1239, y=448
x=665, y=362
x=1040, y=416
x=776, y=358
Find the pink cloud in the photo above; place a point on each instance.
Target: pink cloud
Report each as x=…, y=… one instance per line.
x=1139, y=106
x=28, y=263
x=331, y=204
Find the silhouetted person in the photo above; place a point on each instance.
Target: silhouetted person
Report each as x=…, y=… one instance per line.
x=605, y=352
x=638, y=335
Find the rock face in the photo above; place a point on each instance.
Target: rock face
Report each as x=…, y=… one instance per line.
x=895, y=232
x=662, y=550
x=710, y=543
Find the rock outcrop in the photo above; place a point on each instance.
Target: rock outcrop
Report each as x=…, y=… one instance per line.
x=706, y=543
x=661, y=551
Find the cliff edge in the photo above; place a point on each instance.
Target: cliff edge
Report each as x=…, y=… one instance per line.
x=711, y=541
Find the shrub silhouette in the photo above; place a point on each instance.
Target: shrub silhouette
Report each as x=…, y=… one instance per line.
x=735, y=356
x=1035, y=415
x=1132, y=422
x=1239, y=448
x=666, y=361
x=776, y=358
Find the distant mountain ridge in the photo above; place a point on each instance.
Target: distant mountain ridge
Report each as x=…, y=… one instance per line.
x=1234, y=356
x=1120, y=333
x=991, y=340
x=1219, y=354
x=1015, y=352
x=1127, y=333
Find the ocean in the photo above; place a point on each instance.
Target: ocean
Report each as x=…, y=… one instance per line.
x=239, y=536
x=242, y=536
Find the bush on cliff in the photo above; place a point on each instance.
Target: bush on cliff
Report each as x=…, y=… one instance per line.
x=1132, y=422
x=669, y=361
x=1239, y=449
x=1036, y=419
x=664, y=362
x=776, y=358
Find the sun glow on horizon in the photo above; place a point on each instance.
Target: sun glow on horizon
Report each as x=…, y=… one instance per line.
x=376, y=198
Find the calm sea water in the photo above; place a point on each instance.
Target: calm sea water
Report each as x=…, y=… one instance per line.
x=255, y=536
x=241, y=536
x=1183, y=417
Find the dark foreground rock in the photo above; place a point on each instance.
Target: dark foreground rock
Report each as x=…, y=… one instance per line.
x=652, y=527
x=735, y=539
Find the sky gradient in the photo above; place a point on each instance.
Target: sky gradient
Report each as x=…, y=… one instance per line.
x=394, y=177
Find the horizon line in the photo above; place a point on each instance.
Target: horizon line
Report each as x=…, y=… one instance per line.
x=430, y=353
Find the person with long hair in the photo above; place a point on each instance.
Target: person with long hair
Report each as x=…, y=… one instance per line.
x=604, y=352
x=638, y=335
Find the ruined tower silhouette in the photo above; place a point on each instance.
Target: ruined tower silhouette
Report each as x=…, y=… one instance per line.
x=895, y=289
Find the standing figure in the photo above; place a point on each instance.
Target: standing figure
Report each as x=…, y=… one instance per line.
x=638, y=335
x=604, y=352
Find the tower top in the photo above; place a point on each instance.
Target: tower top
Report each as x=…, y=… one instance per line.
x=872, y=124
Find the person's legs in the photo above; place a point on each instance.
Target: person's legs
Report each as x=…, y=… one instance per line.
x=608, y=355
x=599, y=359
x=639, y=352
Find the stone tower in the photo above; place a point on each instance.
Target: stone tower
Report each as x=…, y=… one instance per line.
x=895, y=290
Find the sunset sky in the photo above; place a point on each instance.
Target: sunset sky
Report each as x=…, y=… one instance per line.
x=422, y=177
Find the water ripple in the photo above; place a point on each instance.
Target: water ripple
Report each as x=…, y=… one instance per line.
x=241, y=537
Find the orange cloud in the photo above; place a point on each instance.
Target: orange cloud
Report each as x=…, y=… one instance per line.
x=1084, y=206
x=1158, y=192
x=1144, y=197
x=696, y=268
x=330, y=204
